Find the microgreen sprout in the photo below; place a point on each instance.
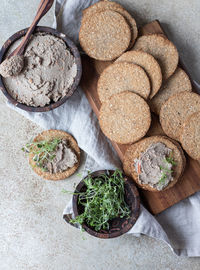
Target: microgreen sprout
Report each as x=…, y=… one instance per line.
x=166, y=171
x=163, y=178
x=170, y=159
x=43, y=151
x=102, y=201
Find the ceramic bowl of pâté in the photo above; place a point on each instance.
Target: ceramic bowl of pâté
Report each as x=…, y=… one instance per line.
x=51, y=73
x=106, y=203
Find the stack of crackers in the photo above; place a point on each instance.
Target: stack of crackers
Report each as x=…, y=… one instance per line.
x=140, y=76
x=107, y=30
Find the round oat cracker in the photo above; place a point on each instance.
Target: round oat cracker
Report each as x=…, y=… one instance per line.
x=101, y=39
x=176, y=110
x=162, y=49
x=190, y=136
x=149, y=64
x=135, y=150
x=120, y=77
x=125, y=117
x=127, y=159
x=107, y=5
x=49, y=135
x=178, y=82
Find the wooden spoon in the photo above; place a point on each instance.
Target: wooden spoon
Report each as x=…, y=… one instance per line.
x=14, y=63
x=43, y=8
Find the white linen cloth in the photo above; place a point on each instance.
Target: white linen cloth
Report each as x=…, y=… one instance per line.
x=178, y=226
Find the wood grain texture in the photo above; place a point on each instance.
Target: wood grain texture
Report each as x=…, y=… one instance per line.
x=156, y=202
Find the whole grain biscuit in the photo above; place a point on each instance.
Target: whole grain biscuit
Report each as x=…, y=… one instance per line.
x=190, y=136
x=128, y=161
x=125, y=117
x=49, y=135
x=120, y=77
x=135, y=150
x=177, y=83
x=107, y=5
x=182, y=153
x=149, y=64
x=162, y=49
x=101, y=39
x=154, y=130
x=176, y=110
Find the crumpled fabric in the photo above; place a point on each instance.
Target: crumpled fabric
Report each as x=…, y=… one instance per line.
x=178, y=226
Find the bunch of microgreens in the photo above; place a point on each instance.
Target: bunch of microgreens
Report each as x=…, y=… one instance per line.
x=43, y=151
x=165, y=171
x=102, y=201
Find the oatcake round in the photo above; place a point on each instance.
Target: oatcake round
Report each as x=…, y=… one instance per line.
x=181, y=151
x=128, y=161
x=134, y=151
x=190, y=136
x=107, y=5
x=49, y=135
x=101, y=39
x=176, y=110
x=125, y=117
x=162, y=49
x=177, y=83
x=149, y=64
x=120, y=77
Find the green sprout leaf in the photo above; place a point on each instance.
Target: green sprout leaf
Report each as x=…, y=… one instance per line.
x=43, y=151
x=102, y=201
x=165, y=170
x=170, y=159
x=163, y=178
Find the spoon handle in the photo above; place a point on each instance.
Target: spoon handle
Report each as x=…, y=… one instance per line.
x=43, y=8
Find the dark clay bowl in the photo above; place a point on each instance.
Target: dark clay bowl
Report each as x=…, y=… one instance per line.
x=73, y=49
x=118, y=226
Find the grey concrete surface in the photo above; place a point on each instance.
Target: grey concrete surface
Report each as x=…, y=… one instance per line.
x=33, y=235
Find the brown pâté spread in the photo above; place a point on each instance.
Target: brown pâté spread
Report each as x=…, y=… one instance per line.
x=48, y=73
x=64, y=158
x=12, y=66
x=154, y=167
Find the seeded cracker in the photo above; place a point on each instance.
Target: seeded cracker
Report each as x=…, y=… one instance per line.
x=103, y=5
x=125, y=117
x=101, y=39
x=134, y=151
x=120, y=77
x=190, y=136
x=177, y=83
x=162, y=49
x=176, y=110
x=149, y=64
x=49, y=135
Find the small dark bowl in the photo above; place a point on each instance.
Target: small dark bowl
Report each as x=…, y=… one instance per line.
x=73, y=49
x=118, y=226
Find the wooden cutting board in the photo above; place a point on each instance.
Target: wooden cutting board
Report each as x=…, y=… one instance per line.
x=156, y=202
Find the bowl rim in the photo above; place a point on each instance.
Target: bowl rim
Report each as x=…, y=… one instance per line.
x=73, y=49
x=128, y=224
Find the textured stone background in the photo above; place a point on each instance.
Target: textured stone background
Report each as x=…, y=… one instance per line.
x=33, y=235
